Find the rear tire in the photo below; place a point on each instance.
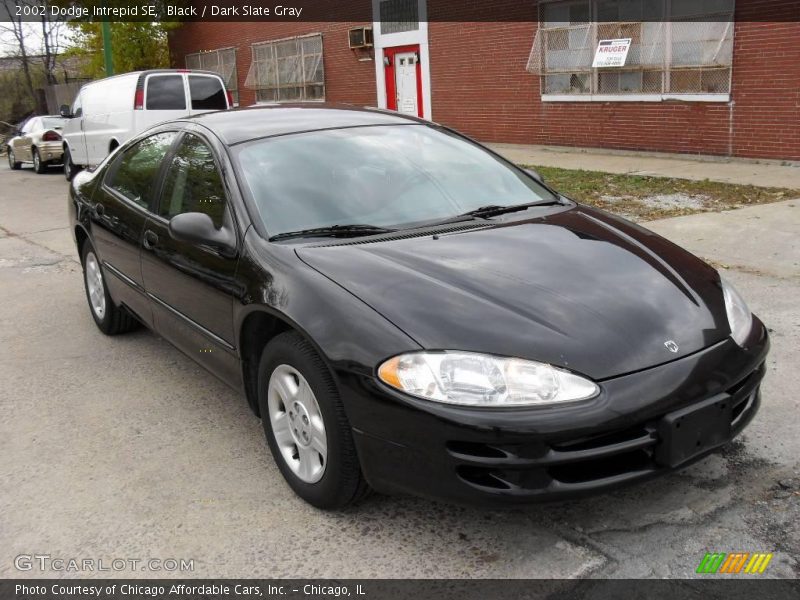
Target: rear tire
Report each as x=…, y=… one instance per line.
x=12, y=160
x=299, y=400
x=109, y=318
x=69, y=168
x=38, y=164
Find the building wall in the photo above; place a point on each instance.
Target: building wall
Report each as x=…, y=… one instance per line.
x=479, y=85
x=346, y=78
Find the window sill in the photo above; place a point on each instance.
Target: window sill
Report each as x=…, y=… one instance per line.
x=635, y=97
x=269, y=102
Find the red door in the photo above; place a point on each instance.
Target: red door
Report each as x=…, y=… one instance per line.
x=403, y=79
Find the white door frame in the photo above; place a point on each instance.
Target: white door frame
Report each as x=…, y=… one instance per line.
x=404, y=38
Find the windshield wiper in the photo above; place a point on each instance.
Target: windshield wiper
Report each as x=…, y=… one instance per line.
x=350, y=230
x=492, y=210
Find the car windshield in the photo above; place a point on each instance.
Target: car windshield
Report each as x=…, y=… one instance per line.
x=384, y=176
x=52, y=122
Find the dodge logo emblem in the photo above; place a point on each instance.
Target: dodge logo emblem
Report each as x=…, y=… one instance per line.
x=671, y=346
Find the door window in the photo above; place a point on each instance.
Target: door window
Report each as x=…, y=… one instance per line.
x=193, y=183
x=165, y=92
x=207, y=93
x=133, y=175
x=77, y=109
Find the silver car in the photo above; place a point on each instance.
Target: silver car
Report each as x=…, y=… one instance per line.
x=38, y=142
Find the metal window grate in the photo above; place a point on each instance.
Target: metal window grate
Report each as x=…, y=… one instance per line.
x=219, y=61
x=689, y=53
x=288, y=70
x=399, y=15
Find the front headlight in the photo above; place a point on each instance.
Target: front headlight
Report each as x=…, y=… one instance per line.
x=473, y=379
x=740, y=318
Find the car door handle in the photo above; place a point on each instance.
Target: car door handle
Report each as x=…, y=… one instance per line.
x=150, y=240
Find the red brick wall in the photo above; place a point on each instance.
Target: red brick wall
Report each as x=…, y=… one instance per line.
x=480, y=86
x=346, y=78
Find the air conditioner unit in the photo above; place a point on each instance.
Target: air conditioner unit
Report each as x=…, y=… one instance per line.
x=360, y=37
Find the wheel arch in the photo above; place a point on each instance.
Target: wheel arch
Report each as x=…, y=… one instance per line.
x=257, y=329
x=81, y=237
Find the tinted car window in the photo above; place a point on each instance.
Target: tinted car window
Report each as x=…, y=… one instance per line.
x=207, y=93
x=165, y=92
x=386, y=176
x=133, y=174
x=193, y=182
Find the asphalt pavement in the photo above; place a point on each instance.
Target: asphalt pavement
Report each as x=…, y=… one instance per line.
x=123, y=448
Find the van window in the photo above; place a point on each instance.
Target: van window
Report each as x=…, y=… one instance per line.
x=133, y=174
x=165, y=92
x=207, y=93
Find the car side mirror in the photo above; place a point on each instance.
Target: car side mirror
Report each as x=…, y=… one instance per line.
x=65, y=111
x=535, y=174
x=198, y=228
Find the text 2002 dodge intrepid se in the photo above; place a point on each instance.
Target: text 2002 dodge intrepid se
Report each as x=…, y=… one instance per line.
x=409, y=312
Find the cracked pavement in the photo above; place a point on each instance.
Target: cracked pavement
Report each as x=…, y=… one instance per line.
x=123, y=447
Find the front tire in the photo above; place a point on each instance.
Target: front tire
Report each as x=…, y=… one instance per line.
x=108, y=317
x=38, y=164
x=305, y=424
x=12, y=160
x=69, y=168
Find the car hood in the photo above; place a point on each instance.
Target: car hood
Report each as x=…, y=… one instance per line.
x=580, y=289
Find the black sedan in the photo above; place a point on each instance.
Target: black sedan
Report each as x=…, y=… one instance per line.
x=409, y=312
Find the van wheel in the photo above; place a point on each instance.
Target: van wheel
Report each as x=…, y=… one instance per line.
x=69, y=168
x=38, y=165
x=12, y=160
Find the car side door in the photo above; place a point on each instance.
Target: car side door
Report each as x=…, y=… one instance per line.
x=192, y=285
x=121, y=208
x=73, y=132
x=23, y=143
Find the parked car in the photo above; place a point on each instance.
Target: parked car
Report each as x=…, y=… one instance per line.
x=108, y=112
x=408, y=311
x=38, y=142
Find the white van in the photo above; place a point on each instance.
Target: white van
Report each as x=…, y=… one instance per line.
x=108, y=112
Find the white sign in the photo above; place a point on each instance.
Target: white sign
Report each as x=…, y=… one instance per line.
x=612, y=53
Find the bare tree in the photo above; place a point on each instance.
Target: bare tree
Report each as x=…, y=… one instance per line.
x=17, y=28
x=24, y=34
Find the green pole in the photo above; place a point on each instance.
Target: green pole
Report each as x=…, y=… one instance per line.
x=107, y=57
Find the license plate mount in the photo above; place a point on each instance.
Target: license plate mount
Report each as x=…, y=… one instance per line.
x=694, y=430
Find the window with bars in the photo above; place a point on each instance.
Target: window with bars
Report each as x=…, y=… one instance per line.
x=288, y=70
x=677, y=47
x=399, y=15
x=219, y=61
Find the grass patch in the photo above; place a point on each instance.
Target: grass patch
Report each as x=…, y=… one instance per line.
x=644, y=198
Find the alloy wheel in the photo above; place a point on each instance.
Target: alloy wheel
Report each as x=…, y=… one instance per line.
x=36, y=161
x=11, y=158
x=297, y=423
x=95, y=286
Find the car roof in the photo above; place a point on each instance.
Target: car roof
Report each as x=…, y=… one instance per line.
x=235, y=126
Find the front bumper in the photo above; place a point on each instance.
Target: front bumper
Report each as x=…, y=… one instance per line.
x=495, y=456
